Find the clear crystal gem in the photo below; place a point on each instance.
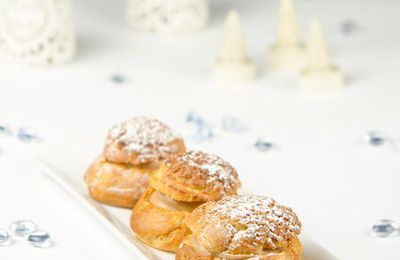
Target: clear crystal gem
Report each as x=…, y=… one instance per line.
x=385, y=228
x=118, y=79
x=5, y=238
x=23, y=227
x=193, y=117
x=5, y=130
x=349, y=27
x=26, y=136
x=263, y=145
x=232, y=124
x=39, y=238
x=374, y=138
x=204, y=133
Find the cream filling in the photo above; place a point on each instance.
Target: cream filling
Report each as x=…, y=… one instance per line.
x=164, y=201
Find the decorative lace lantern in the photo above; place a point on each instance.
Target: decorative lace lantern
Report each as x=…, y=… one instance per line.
x=36, y=32
x=167, y=16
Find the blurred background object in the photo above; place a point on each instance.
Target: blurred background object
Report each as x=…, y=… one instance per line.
x=167, y=16
x=36, y=32
x=287, y=53
x=319, y=72
x=233, y=64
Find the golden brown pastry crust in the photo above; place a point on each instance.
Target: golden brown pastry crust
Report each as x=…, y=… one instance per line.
x=180, y=185
x=242, y=226
x=293, y=251
x=195, y=176
x=117, y=184
x=141, y=140
x=157, y=226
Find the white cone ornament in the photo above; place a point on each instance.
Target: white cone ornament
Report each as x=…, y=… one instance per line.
x=233, y=65
x=287, y=53
x=167, y=16
x=36, y=32
x=319, y=72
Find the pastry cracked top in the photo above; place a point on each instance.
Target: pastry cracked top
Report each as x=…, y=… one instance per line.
x=196, y=176
x=141, y=140
x=243, y=224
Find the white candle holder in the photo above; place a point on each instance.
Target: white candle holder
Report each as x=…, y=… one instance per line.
x=286, y=55
x=36, y=32
x=233, y=64
x=319, y=72
x=167, y=16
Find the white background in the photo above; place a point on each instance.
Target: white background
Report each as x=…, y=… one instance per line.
x=338, y=185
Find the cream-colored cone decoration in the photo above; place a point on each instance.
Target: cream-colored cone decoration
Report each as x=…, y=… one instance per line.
x=319, y=70
x=287, y=53
x=167, y=16
x=233, y=65
x=36, y=32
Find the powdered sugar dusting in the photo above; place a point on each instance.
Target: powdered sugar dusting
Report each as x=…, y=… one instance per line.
x=255, y=218
x=149, y=138
x=219, y=174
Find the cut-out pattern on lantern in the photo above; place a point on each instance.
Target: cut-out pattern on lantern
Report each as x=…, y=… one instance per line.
x=36, y=32
x=167, y=16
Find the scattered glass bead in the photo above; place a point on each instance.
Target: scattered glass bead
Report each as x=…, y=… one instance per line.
x=39, y=238
x=26, y=136
x=232, y=124
x=263, y=146
x=5, y=130
x=193, y=117
x=23, y=227
x=118, y=79
x=385, y=228
x=348, y=27
x=5, y=238
x=374, y=138
x=204, y=133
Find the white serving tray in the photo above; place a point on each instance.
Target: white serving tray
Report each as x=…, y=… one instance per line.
x=116, y=220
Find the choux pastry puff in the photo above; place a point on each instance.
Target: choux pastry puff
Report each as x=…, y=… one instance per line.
x=182, y=183
x=133, y=150
x=242, y=227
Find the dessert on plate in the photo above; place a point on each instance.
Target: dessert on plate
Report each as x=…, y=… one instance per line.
x=133, y=150
x=242, y=227
x=181, y=183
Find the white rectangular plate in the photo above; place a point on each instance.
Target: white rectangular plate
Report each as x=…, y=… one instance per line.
x=312, y=250
x=117, y=220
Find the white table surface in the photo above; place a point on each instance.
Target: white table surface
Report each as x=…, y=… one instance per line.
x=337, y=185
